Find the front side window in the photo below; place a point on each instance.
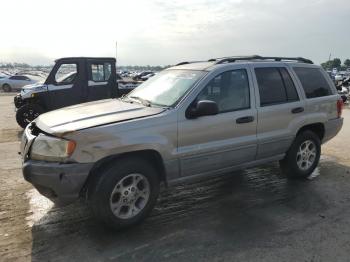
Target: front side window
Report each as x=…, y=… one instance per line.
x=66, y=74
x=275, y=86
x=313, y=82
x=230, y=91
x=101, y=72
x=166, y=88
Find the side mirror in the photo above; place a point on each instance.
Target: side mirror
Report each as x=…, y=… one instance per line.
x=203, y=108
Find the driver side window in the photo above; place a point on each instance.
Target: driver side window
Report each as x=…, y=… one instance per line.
x=66, y=74
x=230, y=91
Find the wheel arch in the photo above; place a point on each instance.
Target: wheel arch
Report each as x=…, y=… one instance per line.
x=317, y=128
x=151, y=155
x=6, y=84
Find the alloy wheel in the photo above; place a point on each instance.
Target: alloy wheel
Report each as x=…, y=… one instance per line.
x=130, y=196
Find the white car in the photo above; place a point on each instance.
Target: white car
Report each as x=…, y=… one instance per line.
x=16, y=82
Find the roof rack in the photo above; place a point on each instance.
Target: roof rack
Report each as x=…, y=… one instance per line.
x=232, y=59
x=187, y=62
x=257, y=57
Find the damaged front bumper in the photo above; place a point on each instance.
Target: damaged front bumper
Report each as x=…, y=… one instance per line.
x=61, y=183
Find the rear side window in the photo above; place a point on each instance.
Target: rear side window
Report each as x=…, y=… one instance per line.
x=313, y=81
x=275, y=86
x=292, y=94
x=100, y=72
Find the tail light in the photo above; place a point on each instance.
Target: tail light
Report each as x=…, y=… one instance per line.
x=340, y=105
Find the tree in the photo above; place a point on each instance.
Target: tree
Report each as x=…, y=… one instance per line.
x=336, y=63
x=347, y=62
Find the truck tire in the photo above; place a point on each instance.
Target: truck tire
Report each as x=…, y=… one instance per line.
x=303, y=156
x=27, y=113
x=124, y=192
x=6, y=88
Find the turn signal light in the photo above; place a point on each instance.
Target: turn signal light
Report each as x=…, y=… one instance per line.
x=70, y=147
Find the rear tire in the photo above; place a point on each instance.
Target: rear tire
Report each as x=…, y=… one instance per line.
x=7, y=88
x=124, y=192
x=303, y=156
x=27, y=113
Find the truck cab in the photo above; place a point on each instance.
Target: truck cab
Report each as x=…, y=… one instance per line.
x=72, y=80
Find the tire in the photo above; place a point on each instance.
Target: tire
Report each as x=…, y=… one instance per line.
x=6, y=88
x=303, y=156
x=132, y=207
x=27, y=113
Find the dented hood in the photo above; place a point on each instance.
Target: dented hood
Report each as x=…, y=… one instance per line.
x=68, y=119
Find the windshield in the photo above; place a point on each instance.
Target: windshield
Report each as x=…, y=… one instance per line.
x=167, y=87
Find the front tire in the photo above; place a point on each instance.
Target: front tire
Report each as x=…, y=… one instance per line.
x=124, y=193
x=303, y=156
x=27, y=113
x=7, y=88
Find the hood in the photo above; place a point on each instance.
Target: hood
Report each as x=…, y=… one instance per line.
x=28, y=90
x=92, y=114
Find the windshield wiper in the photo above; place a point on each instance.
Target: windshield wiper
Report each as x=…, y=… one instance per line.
x=143, y=101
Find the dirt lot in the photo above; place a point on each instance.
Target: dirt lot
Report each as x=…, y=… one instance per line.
x=252, y=215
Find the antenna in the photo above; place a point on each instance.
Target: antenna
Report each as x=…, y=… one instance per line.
x=116, y=52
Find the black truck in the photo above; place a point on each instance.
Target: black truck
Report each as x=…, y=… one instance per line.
x=72, y=80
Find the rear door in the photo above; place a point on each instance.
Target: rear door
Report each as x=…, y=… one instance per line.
x=217, y=142
x=101, y=80
x=65, y=85
x=279, y=109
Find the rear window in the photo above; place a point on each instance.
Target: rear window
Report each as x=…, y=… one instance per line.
x=313, y=81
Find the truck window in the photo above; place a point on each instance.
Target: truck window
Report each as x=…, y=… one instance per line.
x=275, y=86
x=66, y=74
x=313, y=82
x=101, y=72
x=230, y=90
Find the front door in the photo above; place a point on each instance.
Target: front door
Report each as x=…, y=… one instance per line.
x=102, y=82
x=221, y=141
x=65, y=85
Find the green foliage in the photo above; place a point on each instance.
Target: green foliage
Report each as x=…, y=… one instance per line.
x=347, y=62
x=336, y=63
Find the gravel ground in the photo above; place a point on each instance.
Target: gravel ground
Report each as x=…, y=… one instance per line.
x=251, y=215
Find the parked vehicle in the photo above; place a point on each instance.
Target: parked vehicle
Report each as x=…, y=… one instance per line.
x=146, y=77
x=72, y=80
x=343, y=89
x=16, y=82
x=139, y=76
x=190, y=121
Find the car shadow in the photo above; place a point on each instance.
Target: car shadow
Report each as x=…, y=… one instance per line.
x=196, y=221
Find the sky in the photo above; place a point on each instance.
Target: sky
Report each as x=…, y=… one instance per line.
x=155, y=32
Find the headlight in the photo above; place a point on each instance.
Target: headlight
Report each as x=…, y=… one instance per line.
x=48, y=148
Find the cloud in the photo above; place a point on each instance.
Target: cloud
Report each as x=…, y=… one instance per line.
x=165, y=32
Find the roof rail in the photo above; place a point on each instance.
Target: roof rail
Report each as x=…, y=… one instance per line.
x=232, y=59
x=257, y=57
x=182, y=63
x=187, y=62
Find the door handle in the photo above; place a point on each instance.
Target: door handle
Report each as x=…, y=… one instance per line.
x=297, y=110
x=245, y=119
